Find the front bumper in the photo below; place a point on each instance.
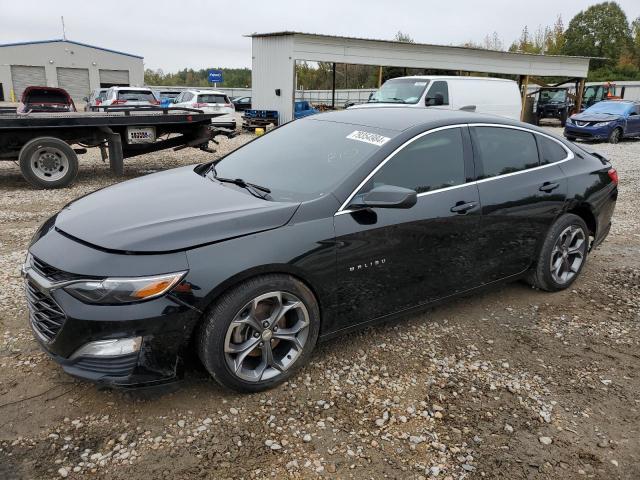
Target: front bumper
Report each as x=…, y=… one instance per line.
x=63, y=324
x=587, y=133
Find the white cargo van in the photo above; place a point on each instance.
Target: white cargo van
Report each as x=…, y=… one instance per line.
x=480, y=94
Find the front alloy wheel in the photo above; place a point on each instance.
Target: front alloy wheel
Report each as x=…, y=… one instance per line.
x=266, y=336
x=259, y=333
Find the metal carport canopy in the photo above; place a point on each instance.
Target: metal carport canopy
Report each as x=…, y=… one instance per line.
x=274, y=56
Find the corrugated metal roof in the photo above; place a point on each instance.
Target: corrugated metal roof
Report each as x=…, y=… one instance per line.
x=288, y=32
x=61, y=40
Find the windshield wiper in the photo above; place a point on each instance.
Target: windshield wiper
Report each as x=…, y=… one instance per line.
x=241, y=183
x=252, y=188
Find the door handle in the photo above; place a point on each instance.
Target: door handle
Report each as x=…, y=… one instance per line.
x=462, y=208
x=548, y=187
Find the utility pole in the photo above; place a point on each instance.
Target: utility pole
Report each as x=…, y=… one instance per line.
x=64, y=33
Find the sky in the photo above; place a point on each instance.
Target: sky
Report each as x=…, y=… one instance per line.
x=198, y=34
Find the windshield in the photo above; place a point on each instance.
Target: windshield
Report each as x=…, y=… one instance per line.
x=45, y=96
x=400, y=90
x=136, y=95
x=553, y=96
x=615, y=108
x=212, y=98
x=304, y=159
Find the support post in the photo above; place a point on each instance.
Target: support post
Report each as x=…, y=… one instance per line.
x=579, y=93
x=379, y=76
x=333, y=87
x=116, y=158
x=525, y=87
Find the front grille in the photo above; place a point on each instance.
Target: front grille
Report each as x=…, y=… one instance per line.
x=45, y=314
x=121, y=366
x=53, y=274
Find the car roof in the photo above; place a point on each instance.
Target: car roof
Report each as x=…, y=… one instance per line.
x=400, y=118
x=130, y=88
x=200, y=91
x=451, y=77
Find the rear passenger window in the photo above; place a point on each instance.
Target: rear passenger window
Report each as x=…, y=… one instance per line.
x=551, y=151
x=505, y=150
x=432, y=162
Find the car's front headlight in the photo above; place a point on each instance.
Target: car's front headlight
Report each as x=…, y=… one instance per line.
x=124, y=290
x=601, y=124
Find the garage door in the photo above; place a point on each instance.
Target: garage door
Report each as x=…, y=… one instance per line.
x=114, y=78
x=23, y=77
x=75, y=81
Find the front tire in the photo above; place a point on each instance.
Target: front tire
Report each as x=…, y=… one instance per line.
x=48, y=162
x=563, y=254
x=563, y=118
x=260, y=333
x=615, y=136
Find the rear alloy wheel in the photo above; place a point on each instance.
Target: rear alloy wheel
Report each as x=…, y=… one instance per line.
x=568, y=254
x=615, y=135
x=48, y=162
x=257, y=335
x=563, y=254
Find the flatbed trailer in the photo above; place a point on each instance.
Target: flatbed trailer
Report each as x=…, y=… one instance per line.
x=47, y=145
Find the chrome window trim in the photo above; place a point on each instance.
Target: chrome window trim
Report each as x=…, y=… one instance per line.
x=342, y=208
x=570, y=156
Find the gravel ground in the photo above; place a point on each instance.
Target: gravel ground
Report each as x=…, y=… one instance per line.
x=512, y=383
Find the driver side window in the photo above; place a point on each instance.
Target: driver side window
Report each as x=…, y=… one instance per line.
x=431, y=162
x=438, y=94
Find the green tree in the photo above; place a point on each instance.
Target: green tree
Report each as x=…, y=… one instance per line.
x=601, y=30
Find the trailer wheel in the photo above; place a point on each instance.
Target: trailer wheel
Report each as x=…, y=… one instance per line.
x=48, y=162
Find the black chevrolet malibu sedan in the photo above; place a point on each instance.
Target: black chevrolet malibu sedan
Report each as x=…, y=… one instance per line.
x=321, y=226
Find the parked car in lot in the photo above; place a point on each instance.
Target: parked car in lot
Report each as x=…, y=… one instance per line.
x=610, y=120
x=210, y=101
x=45, y=100
x=478, y=94
x=302, y=109
x=553, y=102
x=129, y=96
x=166, y=97
x=321, y=226
x=241, y=103
x=96, y=98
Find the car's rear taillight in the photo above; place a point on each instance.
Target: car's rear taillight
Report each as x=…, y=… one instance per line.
x=98, y=102
x=613, y=175
x=154, y=102
x=119, y=102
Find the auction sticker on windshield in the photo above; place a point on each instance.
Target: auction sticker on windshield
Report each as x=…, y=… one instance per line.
x=372, y=138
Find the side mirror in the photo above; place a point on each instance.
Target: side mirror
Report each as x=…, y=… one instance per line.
x=386, y=196
x=436, y=100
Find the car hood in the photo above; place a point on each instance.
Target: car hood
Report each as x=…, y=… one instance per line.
x=169, y=211
x=594, y=117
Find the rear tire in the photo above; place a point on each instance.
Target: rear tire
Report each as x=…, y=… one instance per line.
x=562, y=256
x=615, y=136
x=245, y=341
x=48, y=162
